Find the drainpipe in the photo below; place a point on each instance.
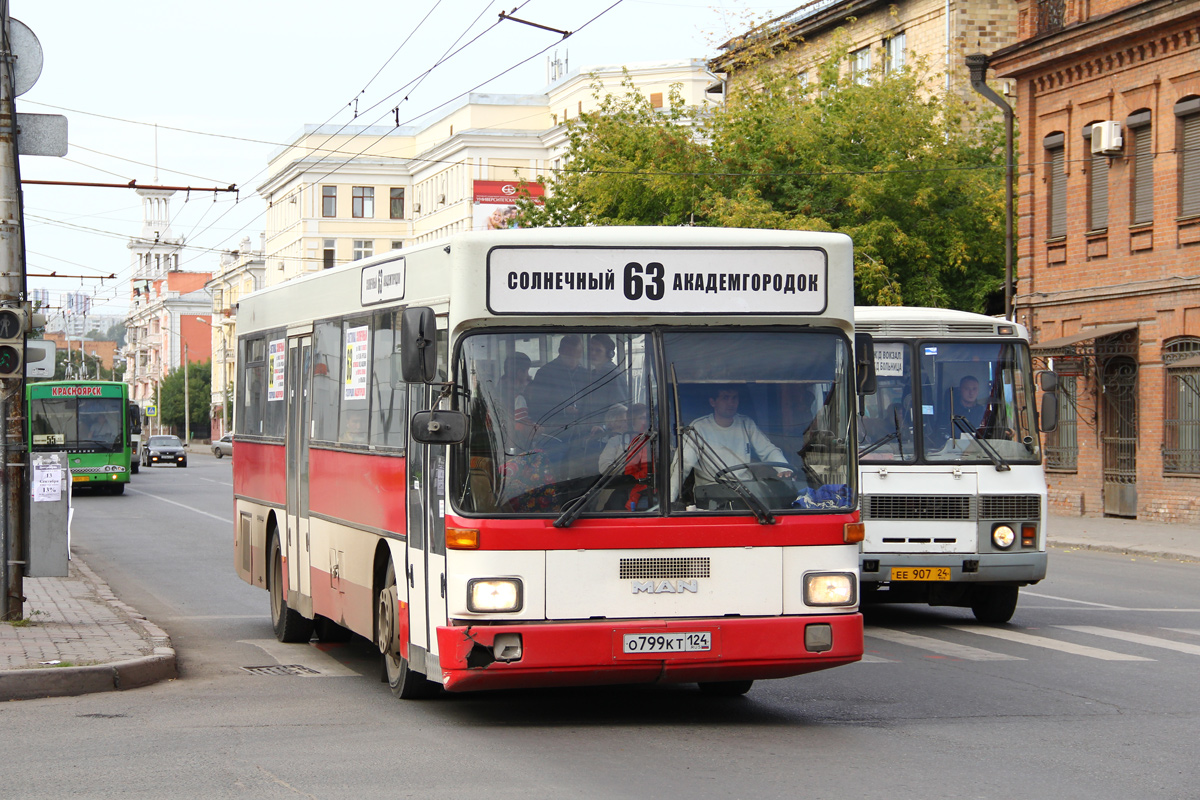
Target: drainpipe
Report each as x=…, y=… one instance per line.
x=977, y=63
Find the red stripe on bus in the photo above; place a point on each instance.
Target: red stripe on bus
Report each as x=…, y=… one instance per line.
x=358, y=487
x=259, y=472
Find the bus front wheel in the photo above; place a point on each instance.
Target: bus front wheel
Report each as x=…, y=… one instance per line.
x=994, y=604
x=401, y=679
x=290, y=625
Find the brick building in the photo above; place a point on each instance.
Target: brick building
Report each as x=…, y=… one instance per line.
x=1108, y=253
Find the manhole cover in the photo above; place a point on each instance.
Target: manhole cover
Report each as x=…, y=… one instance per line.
x=282, y=669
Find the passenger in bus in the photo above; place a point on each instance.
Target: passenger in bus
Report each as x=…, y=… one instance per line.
x=512, y=406
x=555, y=390
x=634, y=444
x=724, y=439
x=607, y=386
x=102, y=430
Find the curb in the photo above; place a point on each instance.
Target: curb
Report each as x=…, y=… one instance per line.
x=28, y=684
x=1134, y=550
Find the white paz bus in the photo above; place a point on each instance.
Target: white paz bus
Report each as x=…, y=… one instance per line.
x=560, y=457
x=950, y=466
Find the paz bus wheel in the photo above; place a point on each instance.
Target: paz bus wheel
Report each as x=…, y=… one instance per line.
x=290, y=626
x=726, y=688
x=994, y=604
x=404, y=682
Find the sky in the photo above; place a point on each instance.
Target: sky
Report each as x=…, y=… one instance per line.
x=200, y=95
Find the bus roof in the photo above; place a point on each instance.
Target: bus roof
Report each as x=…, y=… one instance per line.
x=913, y=322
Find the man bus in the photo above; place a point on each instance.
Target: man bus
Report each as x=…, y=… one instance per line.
x=395, y=478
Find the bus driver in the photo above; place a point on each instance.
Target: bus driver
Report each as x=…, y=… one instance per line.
x=726, y=439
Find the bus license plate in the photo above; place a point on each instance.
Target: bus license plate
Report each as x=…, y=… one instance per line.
x=668, y=642
x=78, y=478
x=920, y=573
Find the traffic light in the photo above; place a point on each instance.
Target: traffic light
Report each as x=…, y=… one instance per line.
x=12, y=342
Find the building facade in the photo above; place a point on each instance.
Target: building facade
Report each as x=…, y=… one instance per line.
x=1108, y=252
x=880, y=34
x=337, y=194
x=170, y=310
x=239, y=273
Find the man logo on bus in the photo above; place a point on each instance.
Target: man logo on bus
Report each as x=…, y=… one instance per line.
x=665, y=587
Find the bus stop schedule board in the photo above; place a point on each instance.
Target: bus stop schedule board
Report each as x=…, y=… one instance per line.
x=581, y=280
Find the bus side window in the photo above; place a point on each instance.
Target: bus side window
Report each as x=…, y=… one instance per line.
x=389, y=393
x=327, y=376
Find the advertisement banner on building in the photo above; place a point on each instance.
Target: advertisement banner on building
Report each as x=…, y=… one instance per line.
x=495, y=203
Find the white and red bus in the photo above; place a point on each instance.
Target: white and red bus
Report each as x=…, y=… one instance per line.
x=494, y=457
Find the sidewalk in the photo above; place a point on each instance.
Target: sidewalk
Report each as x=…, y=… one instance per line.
x=80, y=638
x=76, y=638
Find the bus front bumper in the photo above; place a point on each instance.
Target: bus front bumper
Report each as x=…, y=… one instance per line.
x=1020, y=567
x=594, y=653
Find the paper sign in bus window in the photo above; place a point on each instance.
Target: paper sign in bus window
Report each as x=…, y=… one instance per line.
x=276, y=352
x=356, y=367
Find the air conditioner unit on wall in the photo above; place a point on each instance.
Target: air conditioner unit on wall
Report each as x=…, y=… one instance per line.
x=1106, y=138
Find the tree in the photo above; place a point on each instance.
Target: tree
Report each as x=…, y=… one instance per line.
x=171, y=392
x=917, y=183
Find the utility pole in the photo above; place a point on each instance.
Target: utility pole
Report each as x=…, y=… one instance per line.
x=12, y=295
x=187, y=406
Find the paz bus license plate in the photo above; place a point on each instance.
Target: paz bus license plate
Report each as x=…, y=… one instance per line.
x=920, y=573
x=668, y=642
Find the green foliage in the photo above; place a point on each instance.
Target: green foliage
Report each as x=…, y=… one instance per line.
x=916, y=181
x=199, y=394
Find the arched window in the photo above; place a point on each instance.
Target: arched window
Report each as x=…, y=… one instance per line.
x=1181, y=431
x=1097, y=183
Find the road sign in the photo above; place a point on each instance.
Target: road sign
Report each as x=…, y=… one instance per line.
x=42, y=134
x=151, y=410
x=27, y=64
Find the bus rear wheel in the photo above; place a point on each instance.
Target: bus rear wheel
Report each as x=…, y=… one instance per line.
x=290, y=625
x=994, y=604
x=404, y=682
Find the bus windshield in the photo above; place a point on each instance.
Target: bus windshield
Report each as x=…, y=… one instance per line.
x=977, y=402
x=77, y=424
x=571, y=422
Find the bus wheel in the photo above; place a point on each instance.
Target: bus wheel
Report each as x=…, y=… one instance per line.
x=290, y=626
x=726, y=688
x=404, y=682
x=133, y=466
x=994, y=604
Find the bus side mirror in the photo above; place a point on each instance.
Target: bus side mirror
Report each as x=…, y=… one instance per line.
x=418, y=345
x=864, y=362
x=1048, y=414
x=439, y=427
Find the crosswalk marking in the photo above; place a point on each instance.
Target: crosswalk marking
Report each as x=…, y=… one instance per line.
x=870, y=658
x=961, y=651
x=1049, y=644
x=1189, y=631
x=1136, y=638
x=1027, y=593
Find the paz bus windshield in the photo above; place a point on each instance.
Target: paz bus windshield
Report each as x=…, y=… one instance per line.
x=678, y=421
x=77, y=424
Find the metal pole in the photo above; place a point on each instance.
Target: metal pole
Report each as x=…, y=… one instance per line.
x=187, y=406
x=12, y=292
x=977, y=63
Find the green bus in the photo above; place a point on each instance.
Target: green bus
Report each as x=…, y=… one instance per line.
x=90, y=420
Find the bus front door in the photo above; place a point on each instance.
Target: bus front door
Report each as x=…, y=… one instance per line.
x=298, y=545
x=426, y=567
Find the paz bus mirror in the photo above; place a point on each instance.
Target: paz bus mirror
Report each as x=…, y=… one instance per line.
x=418, y=345
x=439, y=427
x=1048, y=414
x=864, y=362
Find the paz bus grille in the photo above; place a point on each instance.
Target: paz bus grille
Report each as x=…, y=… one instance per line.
x=917, y=506
x=1010, y=506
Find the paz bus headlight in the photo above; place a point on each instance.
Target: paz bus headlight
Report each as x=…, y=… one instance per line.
x=493, y=594
x=1003, y=536
x=829, y=589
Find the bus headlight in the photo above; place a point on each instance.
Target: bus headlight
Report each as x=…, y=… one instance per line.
x=494, y=594
x=829, y=589
x=1003, y=536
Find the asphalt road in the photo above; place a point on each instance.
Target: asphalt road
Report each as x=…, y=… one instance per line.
x=1090, y=692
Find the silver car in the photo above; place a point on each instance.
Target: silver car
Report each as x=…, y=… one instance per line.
x=223, y=446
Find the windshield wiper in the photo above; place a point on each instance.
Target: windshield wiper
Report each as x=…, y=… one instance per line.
x=576, y=507
x=1000, y=464
x=724, y=476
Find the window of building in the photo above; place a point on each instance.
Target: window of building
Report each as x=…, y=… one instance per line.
x=1097, y=184
x=396, y=200
x=328, y=252
x=1181, y=431
x=1056, y=186
x=1141, y=201
x=1187, y=111
x=362, y=202
x=1062, y=444
x=802, y=80
x=860, y=65
x=363, y=248
x=397, y=244
x=894, y=53
x=328, y=201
